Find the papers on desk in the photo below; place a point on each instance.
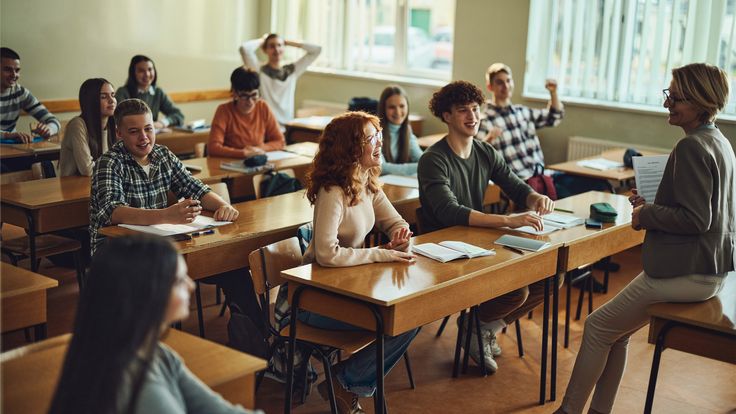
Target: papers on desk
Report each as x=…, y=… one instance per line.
x=600, y=164
x=400, y=180
x=279, y=155
x=648, y=172
x=450, y=250
x=521, y=243
x=240, y=167
x=199, y=125
x=552, y=222
x=192, y=167
x=199, y=223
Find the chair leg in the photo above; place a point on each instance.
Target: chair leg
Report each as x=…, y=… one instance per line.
x=503, y=330
x=606, y=273
x=408, y=370
x=476, y=318
x=442, y=326
x=80, y=269
x=580, y=298
x=200, y=313
x=531, y=314
x=328, y=378
x=518, y=339
x=27, y=334
x=567, y=308
x=218, y=294
x=590, y=293
x=456, y=366
x=223, y=307
x=468, y=334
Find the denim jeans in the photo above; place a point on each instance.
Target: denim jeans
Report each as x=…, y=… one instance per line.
x=357, y=374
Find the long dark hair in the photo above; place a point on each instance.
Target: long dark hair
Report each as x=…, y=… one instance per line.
x=404, y=129
x=130, y=84
x=119, y=319
x=89, y=101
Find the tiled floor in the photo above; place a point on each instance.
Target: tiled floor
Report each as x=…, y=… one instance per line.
x=688, y=384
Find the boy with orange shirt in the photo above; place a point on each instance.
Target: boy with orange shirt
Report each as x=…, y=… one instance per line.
x=244, y=126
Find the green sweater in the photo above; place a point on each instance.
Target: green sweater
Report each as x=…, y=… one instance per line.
x=450, y=186
x=158, y=101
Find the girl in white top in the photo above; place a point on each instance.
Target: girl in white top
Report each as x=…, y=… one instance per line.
x=278, y=81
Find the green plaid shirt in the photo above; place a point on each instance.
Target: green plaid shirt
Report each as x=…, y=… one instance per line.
x=119, y=180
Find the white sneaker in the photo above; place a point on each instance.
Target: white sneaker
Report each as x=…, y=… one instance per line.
x=495, y=347
x=490, y=362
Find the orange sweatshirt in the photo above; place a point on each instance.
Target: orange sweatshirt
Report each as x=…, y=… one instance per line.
x=232, y=131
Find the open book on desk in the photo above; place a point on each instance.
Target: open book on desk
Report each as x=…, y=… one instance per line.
x=240, y=167
x=521, y=243
x=200, y=223
x=450, y=250
x=552, y=222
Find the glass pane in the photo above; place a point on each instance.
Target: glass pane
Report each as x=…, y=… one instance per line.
x=429, y=34
x=372, y=33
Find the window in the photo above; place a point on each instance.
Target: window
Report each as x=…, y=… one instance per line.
x=406, y=38
x=621, y=52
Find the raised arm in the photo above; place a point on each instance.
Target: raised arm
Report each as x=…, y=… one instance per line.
x=313, y=51
x=248, y=53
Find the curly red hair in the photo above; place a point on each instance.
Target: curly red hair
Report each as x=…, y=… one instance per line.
x=337, y=162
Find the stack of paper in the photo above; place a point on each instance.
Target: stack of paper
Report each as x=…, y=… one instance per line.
x=450, y=250
x=551, y=223
x=600, y=164
x=521, y=243
x=279, y=155
x=199, y=223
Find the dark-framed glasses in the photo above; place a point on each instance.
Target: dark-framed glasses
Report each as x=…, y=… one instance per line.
x=671, y=99
x=253, y=96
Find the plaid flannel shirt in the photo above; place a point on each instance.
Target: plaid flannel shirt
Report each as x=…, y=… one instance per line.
x=519, y=143
x=119, y=180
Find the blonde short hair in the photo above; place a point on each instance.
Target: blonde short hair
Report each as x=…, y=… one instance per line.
x=704, y=86
x=494, y=69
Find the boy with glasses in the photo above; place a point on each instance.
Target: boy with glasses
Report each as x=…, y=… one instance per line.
x=244, y=126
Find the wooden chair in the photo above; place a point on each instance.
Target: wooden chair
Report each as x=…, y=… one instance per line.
x=258, y=178
x=266, y=265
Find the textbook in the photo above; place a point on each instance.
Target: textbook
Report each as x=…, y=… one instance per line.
x=552, y=222
x=451, y=250
x=521, y=243
x=240, y=167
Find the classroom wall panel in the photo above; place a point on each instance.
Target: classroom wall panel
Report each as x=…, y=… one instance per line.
x=194, y=43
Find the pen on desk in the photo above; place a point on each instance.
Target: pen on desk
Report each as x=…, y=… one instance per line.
x=210, y=231
x=514, y=249
x=564, y=210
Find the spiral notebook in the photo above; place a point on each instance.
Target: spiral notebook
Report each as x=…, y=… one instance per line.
x=522, y=243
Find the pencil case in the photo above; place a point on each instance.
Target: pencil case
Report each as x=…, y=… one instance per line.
x=603, y=212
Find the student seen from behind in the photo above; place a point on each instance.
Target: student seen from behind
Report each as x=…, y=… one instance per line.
x=92, y=133
x=141, y=84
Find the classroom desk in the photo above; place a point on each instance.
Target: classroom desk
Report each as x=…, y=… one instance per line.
x=703, y=328
x=23, y=299
x=619, y=175
x=429, y=140
x=42, y=150
x=29, y=379
x=182, y=142
x=392, y=298
x=308, y=129
x=43, y=206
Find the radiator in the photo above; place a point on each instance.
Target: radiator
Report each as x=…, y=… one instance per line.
x=581, y=147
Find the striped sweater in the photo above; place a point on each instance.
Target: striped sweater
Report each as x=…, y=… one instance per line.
x=15, y=98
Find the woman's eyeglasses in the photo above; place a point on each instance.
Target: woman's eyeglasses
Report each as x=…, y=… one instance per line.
x=375, y=138
x=671, y=99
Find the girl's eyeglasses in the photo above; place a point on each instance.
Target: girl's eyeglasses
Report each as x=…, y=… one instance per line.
x=375, y=138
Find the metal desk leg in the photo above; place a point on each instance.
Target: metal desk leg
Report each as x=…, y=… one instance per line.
x=545, y=338
x=555, y=327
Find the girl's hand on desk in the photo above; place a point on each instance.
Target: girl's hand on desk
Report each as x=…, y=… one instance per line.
x=529, y=218
x=183, y=212
x=401, y=241
x=226, y=213
x=635, y=224
x=636, y=200
x=399, y=256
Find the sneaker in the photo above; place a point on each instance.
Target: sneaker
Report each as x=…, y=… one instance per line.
x=346, y=401
x=490, y=362
x=495, y=347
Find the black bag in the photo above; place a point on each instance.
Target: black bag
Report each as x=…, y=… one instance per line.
x=244, y=335
x=276, y=183
x=364, y=104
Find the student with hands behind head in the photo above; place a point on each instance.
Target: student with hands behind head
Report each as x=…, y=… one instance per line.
x=453, y=178
x=131, y=181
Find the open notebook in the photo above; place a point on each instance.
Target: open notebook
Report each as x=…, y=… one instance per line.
x=450, y=250
x=521, y=243
x=200, y=223
x=552, y=222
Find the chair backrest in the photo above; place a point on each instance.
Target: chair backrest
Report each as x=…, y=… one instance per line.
x=258, y=178
x=200, y=150
x=44, y=169
x=221, y=190
x=304, y=235
x=421, y=221
x=267, y=263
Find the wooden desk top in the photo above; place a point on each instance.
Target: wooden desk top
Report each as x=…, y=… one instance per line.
x=30, y=150
x=429, y=140
x=29, y=380
x=618, y=174
x=48, y=192
x=717, y=314
x=15, y=281
x=387, y=284
x=307, y=149
x=10, y=151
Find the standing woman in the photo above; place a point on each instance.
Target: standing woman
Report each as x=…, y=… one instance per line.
x=401, y=151
x=348, y=200
x=690, y=245
x=278, y=80
x=90, y=134
x=137, y=286
x=141, y=84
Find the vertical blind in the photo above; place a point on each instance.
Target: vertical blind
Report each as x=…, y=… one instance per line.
x=623, y=51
